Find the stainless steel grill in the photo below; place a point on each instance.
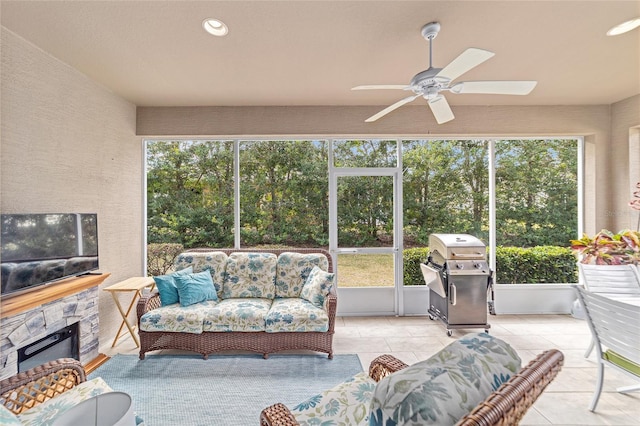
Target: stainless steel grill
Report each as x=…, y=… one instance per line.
x=459, y=281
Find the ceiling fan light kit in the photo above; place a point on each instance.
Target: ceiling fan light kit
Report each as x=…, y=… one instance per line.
x=430, y=82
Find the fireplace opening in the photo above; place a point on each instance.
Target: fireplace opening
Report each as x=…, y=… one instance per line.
x=63, y=343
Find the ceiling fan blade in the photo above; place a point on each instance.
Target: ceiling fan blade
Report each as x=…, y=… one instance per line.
x=390, y=108
x=494, y=87
x=441, y=109
x=470, y=58
x=381, y=86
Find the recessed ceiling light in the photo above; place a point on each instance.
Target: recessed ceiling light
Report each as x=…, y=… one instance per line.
x=215, y=27
x=624, y=27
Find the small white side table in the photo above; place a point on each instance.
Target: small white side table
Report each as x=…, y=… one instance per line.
x=130, y=285
x=106, y=409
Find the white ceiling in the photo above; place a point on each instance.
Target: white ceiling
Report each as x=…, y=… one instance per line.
x=155, y=53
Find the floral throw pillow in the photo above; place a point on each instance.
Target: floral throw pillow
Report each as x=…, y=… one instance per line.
x=317, y=287
x=444, y=388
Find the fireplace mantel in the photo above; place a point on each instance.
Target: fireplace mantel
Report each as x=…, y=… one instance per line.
x=23, y=302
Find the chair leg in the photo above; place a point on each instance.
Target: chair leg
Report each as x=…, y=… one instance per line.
x=627, y=389
x=596, y=395
x=589, y=349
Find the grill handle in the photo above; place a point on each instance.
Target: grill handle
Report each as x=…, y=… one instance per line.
x=471, y=256
x=452, y=294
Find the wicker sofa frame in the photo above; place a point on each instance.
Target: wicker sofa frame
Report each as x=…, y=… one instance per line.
x=29, y=388
x=506, y=406
x=261, y=342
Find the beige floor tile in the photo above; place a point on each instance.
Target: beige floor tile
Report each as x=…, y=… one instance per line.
x=534, y=418
x=570, y=408
x=350, y=345
x=570, y=341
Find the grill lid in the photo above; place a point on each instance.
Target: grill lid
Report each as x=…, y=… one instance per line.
x=456, y=246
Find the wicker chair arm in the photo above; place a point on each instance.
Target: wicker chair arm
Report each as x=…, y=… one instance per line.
x=277, y=415
x=384, y=365
x=508, y=404
x=29, y=388
x=332, y=307
x=146, y=303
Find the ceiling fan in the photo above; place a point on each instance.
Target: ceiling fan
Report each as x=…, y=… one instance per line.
x=432, y=81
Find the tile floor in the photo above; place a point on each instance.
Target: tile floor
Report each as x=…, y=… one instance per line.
x=564, y=402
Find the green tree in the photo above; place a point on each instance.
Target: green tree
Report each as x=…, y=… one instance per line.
x=190, y=193
x=284, y=192
x=536, y=197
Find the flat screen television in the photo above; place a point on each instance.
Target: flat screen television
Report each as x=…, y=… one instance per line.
x=39, y=249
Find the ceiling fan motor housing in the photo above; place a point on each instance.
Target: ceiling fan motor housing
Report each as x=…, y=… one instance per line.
x=425, y=82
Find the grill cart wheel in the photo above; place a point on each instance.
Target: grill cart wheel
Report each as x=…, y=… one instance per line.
x=432, y=318
x=449, y=333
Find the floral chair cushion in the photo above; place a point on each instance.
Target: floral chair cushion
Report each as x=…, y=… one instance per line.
x=317, y=287
x=345, y=404
x=7, y=418
x=213, y=261
x=176, y=318
x=447, y=386
x=250, y=275
x=293, y=269
x=296, y=315
x=242, y=314
x=45, y=414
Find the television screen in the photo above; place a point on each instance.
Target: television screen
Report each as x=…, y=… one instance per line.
x=38, y=249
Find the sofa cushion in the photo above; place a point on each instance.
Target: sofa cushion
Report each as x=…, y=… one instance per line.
x=195, y=288
x=240, y=314
x=317, y=287
x=293, y=269
x=167, y=288
x=296, y=315
x=250, y=275
x=213, y=261
x=447, y=386
x=176, y=318
x=44, y=414
x=345, y=404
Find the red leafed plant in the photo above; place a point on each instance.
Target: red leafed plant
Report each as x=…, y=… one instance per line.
x=607, y=248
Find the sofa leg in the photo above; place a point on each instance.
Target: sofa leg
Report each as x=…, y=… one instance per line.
x=330, y=355
x=265, y=356
x=205, y=356
x=141, y=356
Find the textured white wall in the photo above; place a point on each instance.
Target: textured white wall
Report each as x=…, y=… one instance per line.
x=69, y=145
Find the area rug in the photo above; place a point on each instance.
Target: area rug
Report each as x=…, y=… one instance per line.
x=228, y=390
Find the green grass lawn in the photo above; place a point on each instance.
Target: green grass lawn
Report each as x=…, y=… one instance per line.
x=365, y=270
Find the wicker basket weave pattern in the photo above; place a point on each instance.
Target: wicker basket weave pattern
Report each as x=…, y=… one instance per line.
x=32, y=387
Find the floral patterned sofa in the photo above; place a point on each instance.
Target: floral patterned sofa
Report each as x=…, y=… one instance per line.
x=256, y=300
x=476, y=380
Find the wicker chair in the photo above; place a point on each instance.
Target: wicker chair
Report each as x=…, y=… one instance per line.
x=506, y=406
x=41, y=394
x=32, y=387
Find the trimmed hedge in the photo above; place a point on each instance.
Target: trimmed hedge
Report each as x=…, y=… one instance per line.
x=411, y=260
x=515, y=265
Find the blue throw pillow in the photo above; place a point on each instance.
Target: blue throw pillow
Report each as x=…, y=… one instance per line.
x=195, y=288
x=167, y=286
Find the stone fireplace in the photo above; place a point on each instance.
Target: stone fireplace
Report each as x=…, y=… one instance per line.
x=29, y=326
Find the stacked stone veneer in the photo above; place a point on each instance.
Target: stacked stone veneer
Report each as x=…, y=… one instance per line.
x=27, y=327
